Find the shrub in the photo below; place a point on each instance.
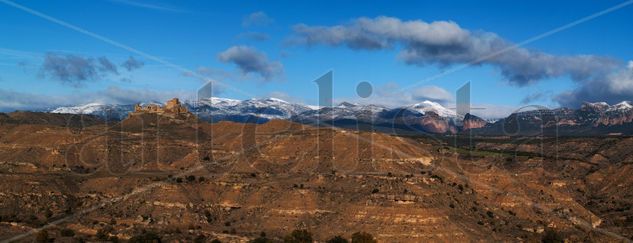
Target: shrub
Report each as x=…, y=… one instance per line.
x=146, y=237
x=67, y=232
x=551, y=236
x=191, y=178
x=102, y=234
x=114, y=239
x=299, y=236
x=337, y=239
x=261, y=239
x=200, y=239
x=216, y=241
x=42, y=236
x=363, y=237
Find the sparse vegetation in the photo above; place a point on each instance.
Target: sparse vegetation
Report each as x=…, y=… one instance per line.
x=42, y=236
x=200, y=239
x=67, y=232
x=337, y=239
x=551, y=236
x=146, y=237
x=363, y=237
x=261, y=239
x=299, y=236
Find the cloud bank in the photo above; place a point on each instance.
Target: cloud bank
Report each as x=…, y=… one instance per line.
x=612, y=89
x=445, y=43
x=250, y=60
x=391, y=95
x=75, y=70
x=13, y=100
x=131, y=64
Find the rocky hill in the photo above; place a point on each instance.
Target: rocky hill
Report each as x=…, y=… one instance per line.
x=590, y=120
x=186, y=179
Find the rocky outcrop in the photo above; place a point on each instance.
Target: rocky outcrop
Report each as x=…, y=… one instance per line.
x=173, y=109
x=472, y=121
x=433, y=123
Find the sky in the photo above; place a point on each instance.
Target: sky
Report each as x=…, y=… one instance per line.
x=514, y=54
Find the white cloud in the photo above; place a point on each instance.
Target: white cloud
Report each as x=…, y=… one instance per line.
x=12, y=100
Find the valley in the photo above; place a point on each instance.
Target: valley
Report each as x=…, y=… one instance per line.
x=188, y=179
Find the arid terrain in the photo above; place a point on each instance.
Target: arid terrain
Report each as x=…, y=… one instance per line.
x=78, y=178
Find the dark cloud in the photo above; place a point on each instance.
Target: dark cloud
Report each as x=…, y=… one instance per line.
x=75, y=70
x=131, y=64
x=257, y=19
x=612, y=89
x=445, y=43
x=249, y=60
x=256, y=36
x=107, y=66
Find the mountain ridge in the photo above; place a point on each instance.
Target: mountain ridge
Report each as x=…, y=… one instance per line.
x=426, y=116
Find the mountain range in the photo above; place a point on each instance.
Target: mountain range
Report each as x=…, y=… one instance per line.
x=597, y=118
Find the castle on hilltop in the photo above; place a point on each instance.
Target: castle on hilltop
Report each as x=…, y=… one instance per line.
x=173, y=109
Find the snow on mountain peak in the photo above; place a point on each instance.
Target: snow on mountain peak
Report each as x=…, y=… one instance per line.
x=82, y=109
x=604, y=106
x=624, y=105
x=598, y=105
x=430, y=106
x=276, y=100
x=213, y=101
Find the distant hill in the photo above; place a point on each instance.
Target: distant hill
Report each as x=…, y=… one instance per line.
x=425, y=117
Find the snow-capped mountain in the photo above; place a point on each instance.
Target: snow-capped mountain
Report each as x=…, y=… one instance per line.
x=108, y=112
x=261, y=110
x=598, y=118
x=426, y=116
x=430, y=106
x=342, y=111
x=211, y=109
x=251, y=110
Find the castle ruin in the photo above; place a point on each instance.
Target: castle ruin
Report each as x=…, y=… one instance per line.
x=173, y=109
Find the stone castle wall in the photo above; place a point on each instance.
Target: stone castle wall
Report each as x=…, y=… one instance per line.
x=173, y=108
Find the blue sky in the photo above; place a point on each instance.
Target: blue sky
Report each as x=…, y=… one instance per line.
x=194, y=35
